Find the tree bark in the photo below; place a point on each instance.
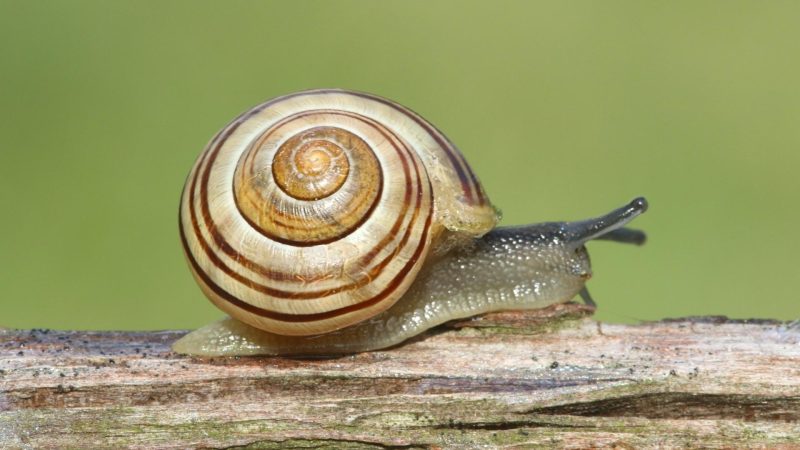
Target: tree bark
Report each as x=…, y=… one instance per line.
x=548, y=378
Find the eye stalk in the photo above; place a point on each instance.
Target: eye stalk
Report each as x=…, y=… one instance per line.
x=609, y=227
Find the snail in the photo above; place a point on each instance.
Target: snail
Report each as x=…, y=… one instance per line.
x=332, y=222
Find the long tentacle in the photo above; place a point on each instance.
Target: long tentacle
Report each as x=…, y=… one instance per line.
x=609, y=226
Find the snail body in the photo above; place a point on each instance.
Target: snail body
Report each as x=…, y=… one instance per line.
x=330, y=221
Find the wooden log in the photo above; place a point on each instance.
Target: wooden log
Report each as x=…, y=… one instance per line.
x=549, y=378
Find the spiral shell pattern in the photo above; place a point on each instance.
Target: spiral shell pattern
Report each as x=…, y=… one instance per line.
x=316, y=210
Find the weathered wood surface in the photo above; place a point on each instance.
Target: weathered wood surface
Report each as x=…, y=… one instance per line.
x=513, y=380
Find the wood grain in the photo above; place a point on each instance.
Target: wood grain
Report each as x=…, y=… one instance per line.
x=549, y=378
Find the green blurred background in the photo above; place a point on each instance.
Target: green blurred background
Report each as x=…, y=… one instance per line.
x=564, y=109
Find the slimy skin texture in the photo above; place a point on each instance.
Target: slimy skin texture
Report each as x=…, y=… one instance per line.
x=509, y=268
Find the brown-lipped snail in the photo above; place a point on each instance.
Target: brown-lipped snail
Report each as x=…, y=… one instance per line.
x=331, y=222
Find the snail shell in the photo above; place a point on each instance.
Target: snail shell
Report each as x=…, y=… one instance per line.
x=315, y=211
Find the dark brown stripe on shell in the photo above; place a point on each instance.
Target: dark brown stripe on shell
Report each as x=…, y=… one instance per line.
x=476, y=184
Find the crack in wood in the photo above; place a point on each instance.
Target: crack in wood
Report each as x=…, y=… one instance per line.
x=344, y=444
x=686, y=406
x=508, y=425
